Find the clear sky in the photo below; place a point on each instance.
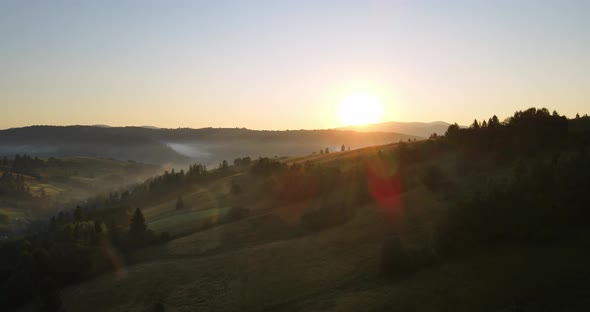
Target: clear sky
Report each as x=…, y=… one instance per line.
x=287, y=64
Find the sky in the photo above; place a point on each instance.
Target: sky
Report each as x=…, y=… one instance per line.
x=288, y=64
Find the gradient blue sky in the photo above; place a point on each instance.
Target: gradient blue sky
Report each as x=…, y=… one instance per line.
x=287, y=64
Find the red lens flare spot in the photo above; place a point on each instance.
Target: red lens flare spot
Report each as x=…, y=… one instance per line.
x=385, y=186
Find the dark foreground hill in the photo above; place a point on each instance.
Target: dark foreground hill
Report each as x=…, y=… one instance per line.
x=180, y=146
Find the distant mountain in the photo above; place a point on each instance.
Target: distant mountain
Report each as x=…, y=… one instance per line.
x=181, y=146
x=420, y=129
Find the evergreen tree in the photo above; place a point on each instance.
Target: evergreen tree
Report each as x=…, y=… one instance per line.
x=343, y=148
x=137, y=224
x=179, y=203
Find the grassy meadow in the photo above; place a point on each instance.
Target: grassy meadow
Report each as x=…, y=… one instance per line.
x=267, y=262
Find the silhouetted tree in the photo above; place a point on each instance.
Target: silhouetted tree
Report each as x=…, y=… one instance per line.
x=179, y=203
x=137, y=224
x=343, y=148
x=452, y=131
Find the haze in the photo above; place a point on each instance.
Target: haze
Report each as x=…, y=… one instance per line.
x=287, y=65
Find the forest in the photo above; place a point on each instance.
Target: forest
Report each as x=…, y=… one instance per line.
x=520, y=181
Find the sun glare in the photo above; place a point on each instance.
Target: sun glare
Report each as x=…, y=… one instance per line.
x=360, y=109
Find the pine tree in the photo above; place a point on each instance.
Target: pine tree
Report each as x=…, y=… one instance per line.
x=179, y=203
x=137, y=224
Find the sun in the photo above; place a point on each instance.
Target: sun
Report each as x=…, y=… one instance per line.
x=360, y=109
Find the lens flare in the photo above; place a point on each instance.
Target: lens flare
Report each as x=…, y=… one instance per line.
x=385, y=185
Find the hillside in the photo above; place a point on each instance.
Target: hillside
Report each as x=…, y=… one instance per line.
x=487, y=218
x=180, y=146
x=54, y=183
x=421, y=129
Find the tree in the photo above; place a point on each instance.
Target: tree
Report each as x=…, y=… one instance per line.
x=495, y=120
x=327, y=151
x=452, y=130
x=578, y=116
x=137, y=224
x=179, y=203
x=223, y=166
x=475, y=124
x=321, y=152
x=343, y=148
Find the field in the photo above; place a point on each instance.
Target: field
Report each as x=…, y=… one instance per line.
x=67, y=181
x=266, y=262
x=336, y=270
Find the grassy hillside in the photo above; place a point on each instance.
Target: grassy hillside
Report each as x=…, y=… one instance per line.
x=66, y=181
x=446, y=224
x=267, y=262
x=181, y=146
